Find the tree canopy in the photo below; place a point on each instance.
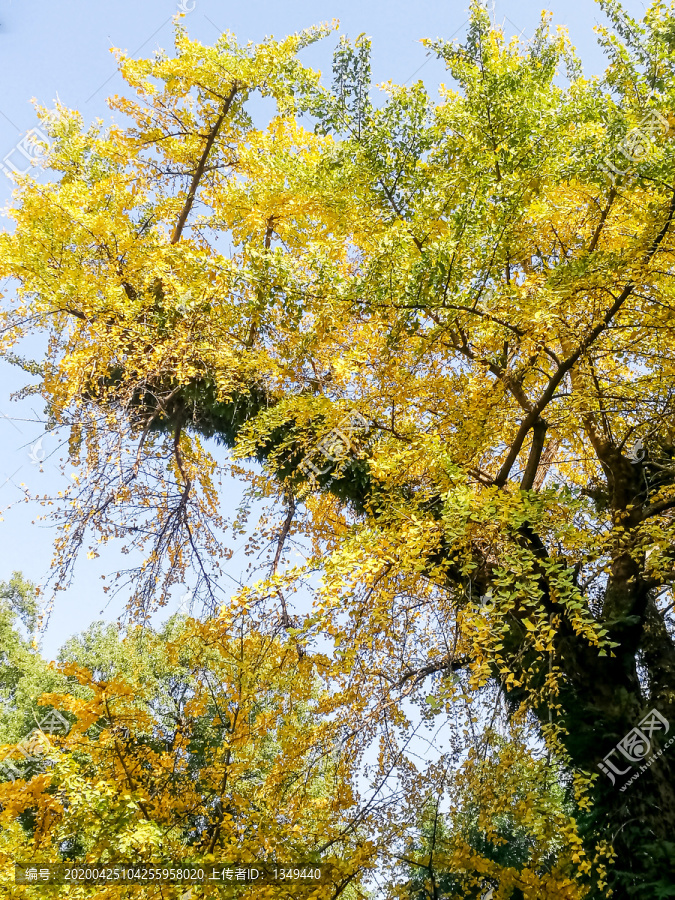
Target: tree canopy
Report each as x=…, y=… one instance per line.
x=186, y=744
x=444, y=330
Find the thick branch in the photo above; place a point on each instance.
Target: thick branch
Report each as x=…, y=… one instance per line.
x=190, y=199
x=655, y=508
x=529, y=421
x=541, y=404
x=538, y=437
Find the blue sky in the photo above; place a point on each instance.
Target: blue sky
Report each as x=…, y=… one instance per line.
x=62, y=49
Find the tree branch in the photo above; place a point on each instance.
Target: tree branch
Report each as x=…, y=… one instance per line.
x=529, y=421
x=658, y=507
x=601, y=223
x=182, y=219
x=538, y=437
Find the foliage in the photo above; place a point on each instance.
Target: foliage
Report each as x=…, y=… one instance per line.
x=24, y=674
x=196, y=743
x=506, y=829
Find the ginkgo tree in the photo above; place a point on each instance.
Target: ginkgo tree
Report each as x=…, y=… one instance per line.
x=485, y=282
x=215, y=744
x=199, y=744
x=521, y=846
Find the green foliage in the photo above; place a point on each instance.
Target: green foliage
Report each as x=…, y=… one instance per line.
x=24, y=674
